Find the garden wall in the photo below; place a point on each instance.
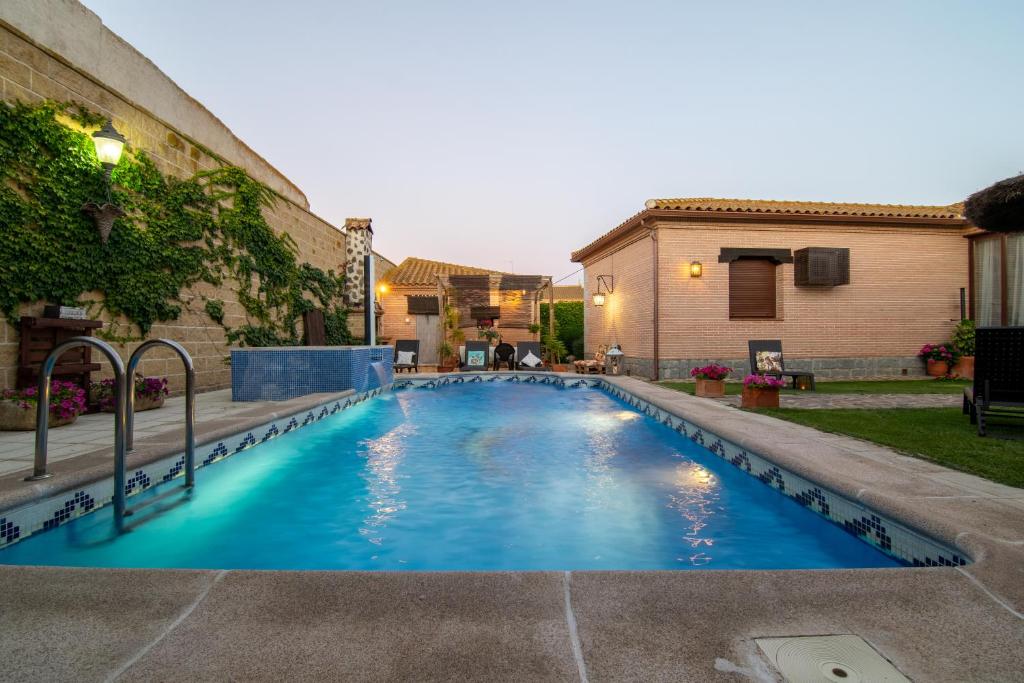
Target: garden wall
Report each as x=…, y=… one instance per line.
x=60, y=51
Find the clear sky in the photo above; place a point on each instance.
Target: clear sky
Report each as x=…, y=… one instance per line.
x=506, y=135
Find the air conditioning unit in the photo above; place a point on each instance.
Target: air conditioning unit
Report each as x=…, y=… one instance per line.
x=821, y=267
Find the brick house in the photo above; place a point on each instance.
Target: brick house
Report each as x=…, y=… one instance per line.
x=852, y=290
x=413, y=295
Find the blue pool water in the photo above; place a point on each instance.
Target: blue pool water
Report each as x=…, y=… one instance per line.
x=470, y=477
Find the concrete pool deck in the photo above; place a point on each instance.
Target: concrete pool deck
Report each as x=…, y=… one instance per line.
x=946, y=624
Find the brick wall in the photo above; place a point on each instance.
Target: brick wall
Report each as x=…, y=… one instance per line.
x=30, y=73
x=903, y=292
x=628, y=313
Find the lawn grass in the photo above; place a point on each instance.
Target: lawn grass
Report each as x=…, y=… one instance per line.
x=943, y=435
x=893, y=386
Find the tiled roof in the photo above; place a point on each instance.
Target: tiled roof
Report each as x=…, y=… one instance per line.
x=418, y=271
x=567, y=292
x=817, y=208
x=845, y=211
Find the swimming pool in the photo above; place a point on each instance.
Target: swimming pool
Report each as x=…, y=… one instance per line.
x=484, y=476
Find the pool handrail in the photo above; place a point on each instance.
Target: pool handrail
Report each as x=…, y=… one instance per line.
x=190, y=402
x=120, y=416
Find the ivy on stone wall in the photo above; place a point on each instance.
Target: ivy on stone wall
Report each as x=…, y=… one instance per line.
x=176, y=232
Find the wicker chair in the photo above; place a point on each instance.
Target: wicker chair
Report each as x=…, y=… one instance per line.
x=755, y=346
x=595, y=365
x=405, y=345
x=526, y=347
x=998, y=376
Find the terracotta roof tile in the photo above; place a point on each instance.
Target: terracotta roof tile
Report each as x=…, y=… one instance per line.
x=769, y=206
x=818, y=208
x=417, y=271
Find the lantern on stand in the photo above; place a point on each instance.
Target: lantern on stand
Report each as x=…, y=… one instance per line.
x=613, y=360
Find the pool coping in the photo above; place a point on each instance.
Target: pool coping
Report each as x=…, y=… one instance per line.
x=939, y=623
x=158, y=459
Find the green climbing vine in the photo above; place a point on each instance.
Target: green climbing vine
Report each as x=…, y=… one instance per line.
x=176, y=233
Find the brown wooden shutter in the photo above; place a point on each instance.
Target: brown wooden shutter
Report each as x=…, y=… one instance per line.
x=316, y=333
x=752, y=288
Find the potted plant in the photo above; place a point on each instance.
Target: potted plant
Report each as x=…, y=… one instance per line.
x=963, y=343
x=18, y=407
x=488, y=333
x=453, y=336
x=149, y=393
x=554, y=350
x=761, y=391
x=939, y=358
x=711, y=380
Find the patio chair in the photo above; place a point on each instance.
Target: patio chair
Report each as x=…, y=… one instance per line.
x=504, y=353
x=477, y=356
x=998, y=388
x=766, y=359
x=528, y=356
x=407, y=355
x=593, y=365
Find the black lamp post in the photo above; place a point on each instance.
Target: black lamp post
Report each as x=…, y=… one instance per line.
x=109, y=146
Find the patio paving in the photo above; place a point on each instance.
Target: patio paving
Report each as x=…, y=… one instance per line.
x=96, y=431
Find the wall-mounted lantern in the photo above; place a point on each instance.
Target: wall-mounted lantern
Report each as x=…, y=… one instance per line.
x=609, y=284
x=109, y=146
x=696, y=269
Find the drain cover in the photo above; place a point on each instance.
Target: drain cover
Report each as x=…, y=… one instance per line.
x=829, y=659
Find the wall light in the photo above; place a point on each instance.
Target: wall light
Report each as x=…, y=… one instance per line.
x=696, y=269
x=609, y=284
x=109, y=146
x=382, y=288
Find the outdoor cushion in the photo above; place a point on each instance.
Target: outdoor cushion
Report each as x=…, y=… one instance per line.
x=769, y=361
x=530, y=360
x=405, y=357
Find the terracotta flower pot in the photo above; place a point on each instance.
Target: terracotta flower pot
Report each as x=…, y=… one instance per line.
x=560, y=367
x=937, y=368
x=760, y=398
x=964, y=368
x=710, y=388
x=142, y=403
x=16, y=419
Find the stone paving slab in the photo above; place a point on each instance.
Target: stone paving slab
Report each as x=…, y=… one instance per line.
x=812, y=401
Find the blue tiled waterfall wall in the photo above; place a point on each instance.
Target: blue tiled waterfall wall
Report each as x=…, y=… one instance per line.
x=278, y=373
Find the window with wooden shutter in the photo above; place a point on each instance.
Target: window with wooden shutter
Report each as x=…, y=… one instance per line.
x=752, y=288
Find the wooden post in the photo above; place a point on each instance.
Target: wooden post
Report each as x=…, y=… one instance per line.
x=441, y=320
x=551, y=314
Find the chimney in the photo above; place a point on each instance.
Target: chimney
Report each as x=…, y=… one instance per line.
x=358, y=243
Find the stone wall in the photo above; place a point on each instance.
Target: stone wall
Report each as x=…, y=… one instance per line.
x=49, y=51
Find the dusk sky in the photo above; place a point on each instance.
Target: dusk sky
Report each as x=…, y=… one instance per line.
x=506, y=135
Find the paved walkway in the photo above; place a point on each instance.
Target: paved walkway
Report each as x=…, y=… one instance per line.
x=90, y=432
x=883, y=401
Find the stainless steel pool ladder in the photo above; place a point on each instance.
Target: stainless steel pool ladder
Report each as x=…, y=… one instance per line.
x=124, y=403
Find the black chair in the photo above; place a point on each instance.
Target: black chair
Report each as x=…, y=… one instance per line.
x=998, y=376
x=406, y=345
x=473, y=350
x=504, y=353
x=525, y=348
x=756, y=346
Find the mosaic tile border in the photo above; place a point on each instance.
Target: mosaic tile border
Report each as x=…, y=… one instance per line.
x=54, y=511
x=886, y=534
x=492, y=377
